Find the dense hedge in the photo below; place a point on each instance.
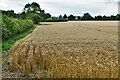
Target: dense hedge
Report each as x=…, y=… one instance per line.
x=12, y=27
x=55, y=20
x=34, y=17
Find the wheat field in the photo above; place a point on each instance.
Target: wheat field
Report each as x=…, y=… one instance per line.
x=74, y=49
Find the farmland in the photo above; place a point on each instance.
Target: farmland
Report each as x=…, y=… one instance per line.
x=84, y=49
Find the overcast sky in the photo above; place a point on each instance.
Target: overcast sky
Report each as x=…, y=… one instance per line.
x=60, y=7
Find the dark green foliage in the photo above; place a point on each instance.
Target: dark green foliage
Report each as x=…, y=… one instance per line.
x=12, y=27
x=9, y=13
x=48, y=15
x=34, y=17
x=71, y=17
x=33, y=7
x=34, y=12
x=78, y=17
x=7, y=44
x=87, y=16
x=118, y=16
x=53, y=19
x=98, y=17
x=65, y=16
x=60, y=16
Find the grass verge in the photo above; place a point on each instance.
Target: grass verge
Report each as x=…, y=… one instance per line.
x=6, y=45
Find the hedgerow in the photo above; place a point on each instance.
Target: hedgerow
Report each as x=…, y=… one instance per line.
x=12, y=27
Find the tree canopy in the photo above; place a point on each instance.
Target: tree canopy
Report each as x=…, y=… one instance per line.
x=65, y=16
x=71, y=17
x=33, y=7
x=87, y=16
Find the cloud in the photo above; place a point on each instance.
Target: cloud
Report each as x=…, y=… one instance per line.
x=59, y=7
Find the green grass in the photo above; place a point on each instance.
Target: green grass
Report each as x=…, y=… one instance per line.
x=6, y=45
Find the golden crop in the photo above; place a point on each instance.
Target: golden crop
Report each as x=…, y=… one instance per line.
x=68, y=50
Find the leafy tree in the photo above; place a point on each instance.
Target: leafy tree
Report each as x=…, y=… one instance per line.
x=48, y=15
x=27, y=7
x=78, y=17
x=9, y=13
x=99, y=17
x=104, y=17
x=33, y=7
x=60, y=17
x=23, y=15
x=42, y=11
x=65, y=16
x=112, y=17
x=118, y=16
x=87, y=16
x=35, y=17
x=71, y=17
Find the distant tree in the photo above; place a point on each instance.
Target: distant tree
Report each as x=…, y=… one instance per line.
x=112, y=17
x=48, y=15
x=27, y=8
x=23, y=15
x=118, y=16
x=9, y=13
x=71, y=17
x=33, y=7
x=60, y=16
x=36, y=18
x=87, y=16
x=78, y=17
x=65, y=16
x=99, y=17
x=104, y=17
x=42, y=11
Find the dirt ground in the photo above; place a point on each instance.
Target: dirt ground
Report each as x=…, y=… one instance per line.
x=74, y=49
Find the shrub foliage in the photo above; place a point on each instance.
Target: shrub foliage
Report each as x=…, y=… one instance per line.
x=12, y=27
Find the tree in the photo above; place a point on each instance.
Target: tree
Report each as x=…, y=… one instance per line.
x=87, y=16
x=42, y=11
x=9, y=13
x=48, y=15
x=78, y=17
x=36, y=18
x=99, y=17
x=33, y=7
x=112, y=17
x=65, y=16
x=60, y=17
x=71, y=17
x=104, y=17
x=27, y=8
x=23, y=15
x=118, y=16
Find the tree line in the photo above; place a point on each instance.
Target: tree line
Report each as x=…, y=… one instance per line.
x=31, y=11
x=34, y=12
x=87, y=16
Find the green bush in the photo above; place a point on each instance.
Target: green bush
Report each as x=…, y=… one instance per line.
x=12, y=27
x=55, y=20
x=34, y=17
